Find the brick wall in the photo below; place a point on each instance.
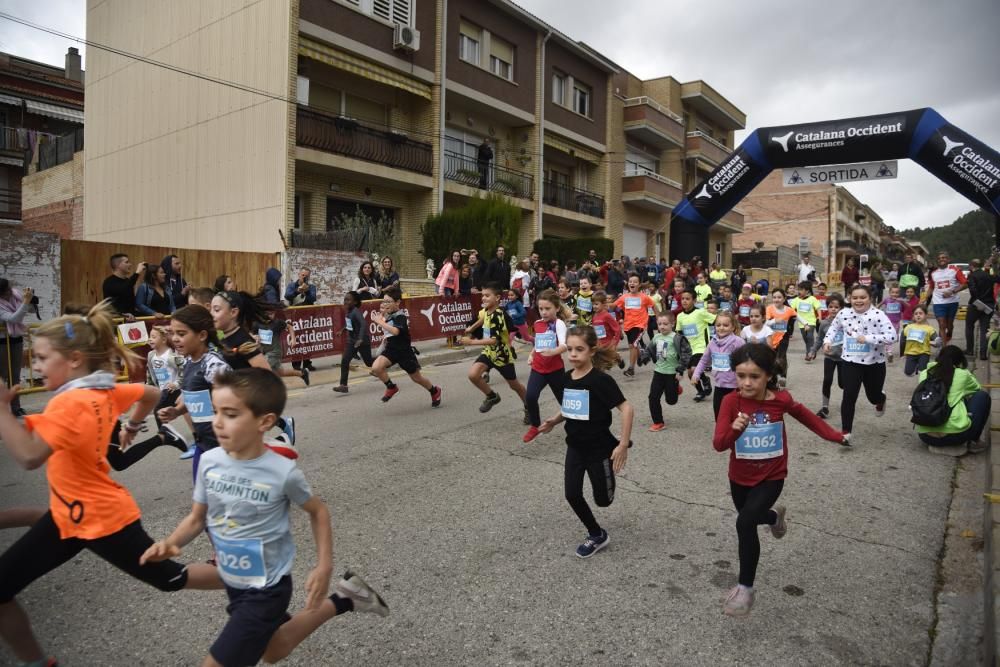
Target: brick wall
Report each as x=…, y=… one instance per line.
x=31, y=259
x=333, y=271
x=52, y=200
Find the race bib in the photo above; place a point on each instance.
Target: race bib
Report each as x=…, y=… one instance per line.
x=487, y=331
x=600, y=331
x=162, y=376
x=725, y=306
x=674, y=305
x=576, y=404
x=838, y=338
x=545, y=341
x=690, y=330
x=661, y=346
x=917, y=335
x=893, y=308
x=584, y=305
x=744, y=311
x=943, y=284
x=805, y=308
x=822, y=304
x=650, y=311
x=761, y=441
x=780, y=325
x=199, y=405
x=851, y=345
x=349, y=324
x=633, y=302
x=720, y=362
x=241, y=561
x=266, y=336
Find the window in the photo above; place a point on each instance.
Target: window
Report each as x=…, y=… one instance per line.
x=393, y=11
x=637, y=164
x=559, y=88
x=719, y=250
x=463, y=143
x=337, y=102
x=501, y=58
x=581, y=98
x=468, y=42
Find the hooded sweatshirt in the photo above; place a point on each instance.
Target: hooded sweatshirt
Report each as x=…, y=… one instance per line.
x=716, y=359
x=175, y=282
x=272, y=286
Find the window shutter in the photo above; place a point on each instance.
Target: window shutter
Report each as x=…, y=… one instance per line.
x=470, y=30
x=382, y=9
x=401, y=12
x=502, y=50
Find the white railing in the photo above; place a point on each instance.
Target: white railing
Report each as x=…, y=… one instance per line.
x=714, y=142
x=638, y=101
x=652, y=174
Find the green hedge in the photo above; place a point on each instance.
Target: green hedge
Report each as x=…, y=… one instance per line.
x=578, y=250
x=483, y=224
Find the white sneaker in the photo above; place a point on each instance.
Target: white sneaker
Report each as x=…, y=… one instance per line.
x=739, y=602
x=780, y=527
x=366, y=599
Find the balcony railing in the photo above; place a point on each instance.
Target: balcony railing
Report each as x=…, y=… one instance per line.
x=653, y=123
x=58, y=150
x=573, y=199
x=346, y=136
x=706, y=147
x=466, y=170
x=13, y=139
x=10, y=204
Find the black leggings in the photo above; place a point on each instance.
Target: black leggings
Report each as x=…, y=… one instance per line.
x=665, y=385
x=852, y=377
x=536, y=383
x=754, y=505
x=363, y=352
x=718, y=395
x=41, y=550
x=705, y=381
x=120, y=460
x=597, y=466
x=831, y=368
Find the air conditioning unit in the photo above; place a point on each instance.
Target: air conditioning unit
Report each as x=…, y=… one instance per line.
x=406, y=38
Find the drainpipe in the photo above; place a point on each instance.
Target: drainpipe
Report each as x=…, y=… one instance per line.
x=540, y=204
x=444, y=86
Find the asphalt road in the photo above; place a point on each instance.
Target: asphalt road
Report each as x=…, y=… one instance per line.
x=465, y=531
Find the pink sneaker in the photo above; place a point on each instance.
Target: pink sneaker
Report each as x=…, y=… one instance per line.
x=658, y=426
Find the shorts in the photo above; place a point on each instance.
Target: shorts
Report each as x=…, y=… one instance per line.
x=945, y=311
x=273, y=356
x=405, y=359
x=255, y=614
x=634, y=334
x=507, y=371
x=41, y=550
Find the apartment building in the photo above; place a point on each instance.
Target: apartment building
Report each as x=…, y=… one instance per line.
x=811, y=218
x=316, y=109
x=39, y=103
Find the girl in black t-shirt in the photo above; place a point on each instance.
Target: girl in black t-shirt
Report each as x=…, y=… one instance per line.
x=589, y=395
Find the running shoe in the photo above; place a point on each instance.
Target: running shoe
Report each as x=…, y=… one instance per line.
x=880, y=407
x=188, y=453
x=846, y=442
x=289, y=429
x=658, y=426
x=436, y=397
x=341, y=389
x=527, y=417
x=308, y=364
x=823, y=412
x=531, y=434
x=621, y=363
x=173, y=438
x=629, y=372
x=305, y=375
x=780, y=527
x=389, y=393
x=699, y=397
x=366, y=599
x=738, y=602
x=489, y=402
x=282, y=446
x=680, y=390
x=593, y=544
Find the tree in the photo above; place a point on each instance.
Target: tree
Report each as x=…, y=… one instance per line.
x=968, y=237
x=482, y=224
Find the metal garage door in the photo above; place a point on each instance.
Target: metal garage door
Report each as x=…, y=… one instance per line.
x=633, y=241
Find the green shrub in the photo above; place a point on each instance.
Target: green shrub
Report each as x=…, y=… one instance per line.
x=577, y=250
x=483, y=224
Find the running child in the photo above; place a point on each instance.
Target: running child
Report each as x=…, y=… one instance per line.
x=201, y=296
x=636, y=306
x=892, y=306
x=251, y=532
x=606, y=328
x=866, y=332
x=751, y=426
x=781, y=320
x=359, y=340
x=726, y=299
x=918, y=337
x=671, y=353
x=269, y=337
x=744, y=303
x=807, y=308
x=717, y=358
x=397, y=348
x=584, y=304
x=497, y=352
x=693, y=325
x=651, y=311
x=702, y=291
x=820, y=293
x=518, y=315
x=546, y=360
x=831, y=359
x=757, y=331
x=675, y=297
x=565, y=294
x=589, y=397
x=910, y=301
x=87, y=509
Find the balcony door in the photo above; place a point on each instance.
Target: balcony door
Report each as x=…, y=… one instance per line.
x=337, y=209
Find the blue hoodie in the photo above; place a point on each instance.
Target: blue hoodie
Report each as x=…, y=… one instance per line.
x=272, y=286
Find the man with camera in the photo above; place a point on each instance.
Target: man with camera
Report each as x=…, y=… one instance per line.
x=14, y=306
x=122, y=284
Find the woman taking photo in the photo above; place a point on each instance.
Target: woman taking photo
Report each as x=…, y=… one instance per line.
x=14, y=306
x=387, y=276
x=447, y=278
x=969, y=402
x=366, y=282
x=153, y=296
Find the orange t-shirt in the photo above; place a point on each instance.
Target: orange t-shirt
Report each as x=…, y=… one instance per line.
x=77, y=426
x=636, y=309
x=784, y=316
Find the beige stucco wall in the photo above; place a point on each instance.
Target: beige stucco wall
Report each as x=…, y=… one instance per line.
x=176, y=160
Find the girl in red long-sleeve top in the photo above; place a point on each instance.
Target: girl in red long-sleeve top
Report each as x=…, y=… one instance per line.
x=751, y=426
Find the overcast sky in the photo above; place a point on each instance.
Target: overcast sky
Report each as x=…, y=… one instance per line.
x=780, y=62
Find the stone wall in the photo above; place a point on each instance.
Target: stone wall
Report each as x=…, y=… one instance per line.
x=31, y=259
x=333, y=271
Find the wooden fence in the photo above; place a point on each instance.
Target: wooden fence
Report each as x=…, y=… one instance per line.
x=85, y=265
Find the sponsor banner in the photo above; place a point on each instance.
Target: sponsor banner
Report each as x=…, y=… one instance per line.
x=964, y=163
x=318, y=329
x=843, y=173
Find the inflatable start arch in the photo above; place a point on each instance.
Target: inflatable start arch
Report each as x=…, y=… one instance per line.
x=966, y=164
